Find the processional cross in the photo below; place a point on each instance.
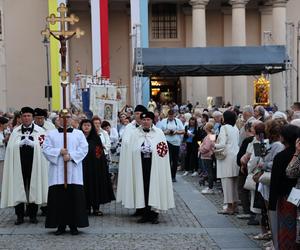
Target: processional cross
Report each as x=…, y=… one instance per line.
x=63, y=35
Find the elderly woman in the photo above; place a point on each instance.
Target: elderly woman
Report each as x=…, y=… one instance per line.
x=96, y=179
x=284, y=223
x=273, y=129
x=227, y=169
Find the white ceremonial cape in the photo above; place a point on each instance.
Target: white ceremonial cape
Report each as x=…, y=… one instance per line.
x=125, y=169
x=161, y=195
x=48, y=126
x=13, y=190
x=78, y=149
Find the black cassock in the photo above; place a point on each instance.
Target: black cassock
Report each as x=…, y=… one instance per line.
x=147, y=213
x=96, y=177
x=66, y=206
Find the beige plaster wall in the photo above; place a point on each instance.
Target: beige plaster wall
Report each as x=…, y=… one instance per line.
x=253, y=38
x=119, y=46
x=214, y=34
x=81, y=49
x=25, y=53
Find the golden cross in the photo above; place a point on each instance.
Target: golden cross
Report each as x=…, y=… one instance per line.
x=63, y=20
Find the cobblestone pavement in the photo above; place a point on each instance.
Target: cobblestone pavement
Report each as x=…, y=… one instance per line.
x=217, y=200
x=179, y=228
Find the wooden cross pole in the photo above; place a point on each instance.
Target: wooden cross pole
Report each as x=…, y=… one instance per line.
x=63, y=35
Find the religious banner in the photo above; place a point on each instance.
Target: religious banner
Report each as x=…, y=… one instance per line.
x=121, y=96
x=103, y=92
x=76, y=97
x=108, y=111
x=262, y=91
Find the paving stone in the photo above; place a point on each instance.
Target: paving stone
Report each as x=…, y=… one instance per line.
x=191, y=225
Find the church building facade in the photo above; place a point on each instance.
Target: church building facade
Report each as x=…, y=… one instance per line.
x=114, y=28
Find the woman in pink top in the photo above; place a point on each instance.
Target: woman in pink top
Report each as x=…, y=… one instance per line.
x=206, y=151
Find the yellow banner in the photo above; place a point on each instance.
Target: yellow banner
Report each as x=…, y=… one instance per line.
x=54, y=60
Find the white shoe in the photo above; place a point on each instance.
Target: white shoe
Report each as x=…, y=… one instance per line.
x=207, y=191
x=194, y=174
x=243, y=216
x=185, y=173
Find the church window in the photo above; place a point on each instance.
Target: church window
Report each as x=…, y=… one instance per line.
x=164, y=21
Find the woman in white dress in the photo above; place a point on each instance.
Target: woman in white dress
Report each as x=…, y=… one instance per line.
x=227, y=169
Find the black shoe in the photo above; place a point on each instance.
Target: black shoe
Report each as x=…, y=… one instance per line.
x=74, y=231
x=44, y=211
x=142, y=220
x=253, y=222
x=19, y=221
x=155, y=221
x=138, y=212
x=60, y=231
x=174, y=180
x=33, y=220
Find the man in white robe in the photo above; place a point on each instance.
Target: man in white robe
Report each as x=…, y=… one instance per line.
x=40, y=116
x=151, y=175
x=40, y=119
x=66, y=206
x=125, y=183
x=24, y=172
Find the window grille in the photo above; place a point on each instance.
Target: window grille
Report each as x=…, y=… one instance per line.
x=164, y=21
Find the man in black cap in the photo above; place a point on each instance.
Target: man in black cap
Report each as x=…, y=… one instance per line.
x=40, y=116
x=152, y=189
x=24, y=173
x=125, y=170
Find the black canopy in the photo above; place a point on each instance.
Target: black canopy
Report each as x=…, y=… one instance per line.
x=213, y=61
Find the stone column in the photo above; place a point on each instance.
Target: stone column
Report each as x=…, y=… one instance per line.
x=186, y=85
x=227, y=26
x=199, y=84
x=239, y=83
x=278, y=35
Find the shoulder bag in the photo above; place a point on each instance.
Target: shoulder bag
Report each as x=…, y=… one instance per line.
x=220, y=154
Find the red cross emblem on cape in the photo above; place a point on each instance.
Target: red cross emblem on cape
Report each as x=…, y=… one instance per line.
x=162, y=149
x=41, y=139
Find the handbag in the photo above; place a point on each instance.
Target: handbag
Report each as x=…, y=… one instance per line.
x=265, y=178
x=250, y=183
x=221, y=153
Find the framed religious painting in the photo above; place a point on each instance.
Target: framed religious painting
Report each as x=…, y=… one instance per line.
x=262, y=91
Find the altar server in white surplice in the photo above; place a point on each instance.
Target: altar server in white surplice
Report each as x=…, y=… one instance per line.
x=66, y=206
x=40, y=116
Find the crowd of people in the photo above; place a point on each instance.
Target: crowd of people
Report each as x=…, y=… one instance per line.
x=253, y=151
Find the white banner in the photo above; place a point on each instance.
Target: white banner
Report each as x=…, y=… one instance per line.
x=121, y=96
x=108, y=111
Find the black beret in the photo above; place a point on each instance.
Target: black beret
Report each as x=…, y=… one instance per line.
x=140, y=108
x=3, y=120
x=27, y=110
x=40, y=112
x=147, y=114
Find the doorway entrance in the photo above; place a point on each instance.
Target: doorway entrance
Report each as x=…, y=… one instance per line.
x=165, y=89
